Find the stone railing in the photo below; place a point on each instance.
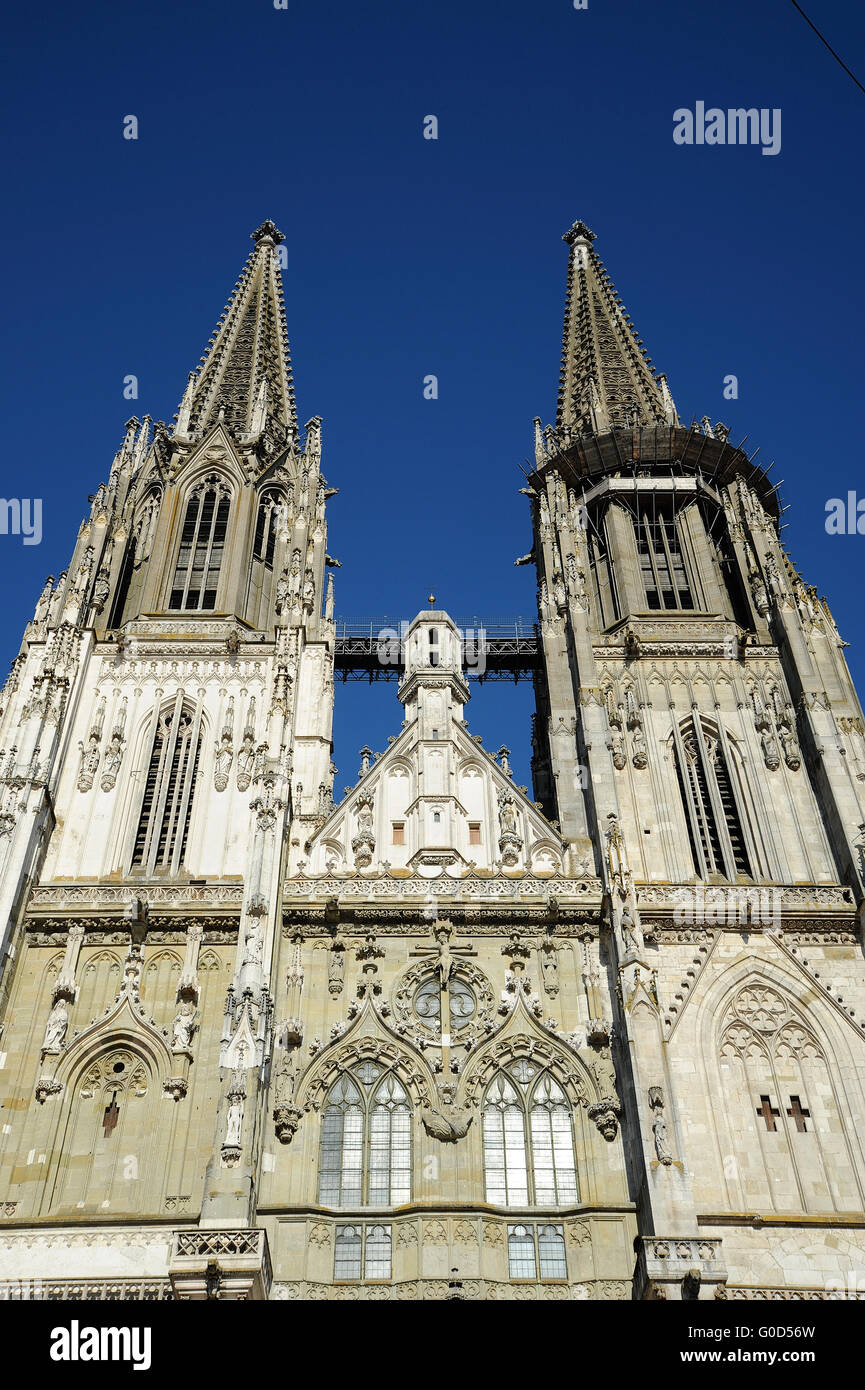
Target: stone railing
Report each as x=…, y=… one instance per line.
x=227, y=1265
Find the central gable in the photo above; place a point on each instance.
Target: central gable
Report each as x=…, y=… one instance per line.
x=432, y=806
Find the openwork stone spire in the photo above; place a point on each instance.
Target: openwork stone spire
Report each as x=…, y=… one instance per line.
x=244, y=378
x=606, y=380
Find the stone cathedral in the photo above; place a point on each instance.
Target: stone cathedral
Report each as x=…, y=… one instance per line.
x=439, y=1039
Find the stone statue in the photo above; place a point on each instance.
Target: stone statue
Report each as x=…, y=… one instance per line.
x=550, y=968
x=605, y=1074
x=336, y=966
x=659, y=1124
x=235, y=1123
x=183, y=1026
x=630, y=936
x=282, y=591
x=222, y=765
x=659, y=1129
x=55, y=1028
x=445, y=962
x=308, y=591
x=254, y=945
x=286, y=1076
x=101, y=590
x=111, y=763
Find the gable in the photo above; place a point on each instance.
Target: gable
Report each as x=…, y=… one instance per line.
x=431, y=807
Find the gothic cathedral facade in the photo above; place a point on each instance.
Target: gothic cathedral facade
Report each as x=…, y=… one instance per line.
x=441, y=1039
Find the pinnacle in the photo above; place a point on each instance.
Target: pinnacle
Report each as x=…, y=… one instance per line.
x=268, y=233
x=577, y=231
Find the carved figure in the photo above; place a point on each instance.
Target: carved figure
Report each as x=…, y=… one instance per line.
x=183, y=1026
x=55, y=1028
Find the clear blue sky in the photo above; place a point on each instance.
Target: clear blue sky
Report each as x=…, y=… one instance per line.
x=409, y=257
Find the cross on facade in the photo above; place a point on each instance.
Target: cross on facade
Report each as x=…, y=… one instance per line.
x=109, y=1119
x=769, y=1115
x=797, y=1113
x=446, y=957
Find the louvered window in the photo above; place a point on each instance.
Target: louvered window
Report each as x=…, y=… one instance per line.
x=166, y=806
x=711, y=807
x=662, y=566
x=202, y=545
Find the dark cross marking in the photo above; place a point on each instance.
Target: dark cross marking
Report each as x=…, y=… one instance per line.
x=797, y=1113
x=109, y=1119
x=769, y=1115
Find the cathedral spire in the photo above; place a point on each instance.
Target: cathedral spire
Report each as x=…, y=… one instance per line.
x=244, y=378
x=607, y=380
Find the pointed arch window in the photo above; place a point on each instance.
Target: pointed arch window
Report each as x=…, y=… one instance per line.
x=365, y=1140
x=528, y=1139
x=166, y=806
x=783, y=1090
x=202, y=545
x=712, y=810
x=266, y=526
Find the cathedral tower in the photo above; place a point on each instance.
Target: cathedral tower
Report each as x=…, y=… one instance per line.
x=699, y=732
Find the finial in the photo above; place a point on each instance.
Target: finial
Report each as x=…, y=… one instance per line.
x=268, y=233
x=579, y=232
x=431, y=600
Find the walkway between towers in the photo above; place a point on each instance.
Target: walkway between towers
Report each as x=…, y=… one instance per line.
x=493, y=648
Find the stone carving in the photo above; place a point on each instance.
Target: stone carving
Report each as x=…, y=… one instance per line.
x=283, y=589
x=90, y=754
x=761, y=1007
x=224, y=750
x=231, y=1145
x=659, y=1124
x=549, y=967
x=47, y=1086
x=363, y=842
x=101, y=590
x=605, y=1112
x=510, y=839
x=446, y=1124
x=336, y=966
x=56, y=1028
x=183, y=1026
x=286, y=1115
x=114, y=752
x=308, y=591
x=434, y=1233
x=246, y=752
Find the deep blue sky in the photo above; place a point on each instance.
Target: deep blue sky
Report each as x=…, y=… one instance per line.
x=409, y=257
